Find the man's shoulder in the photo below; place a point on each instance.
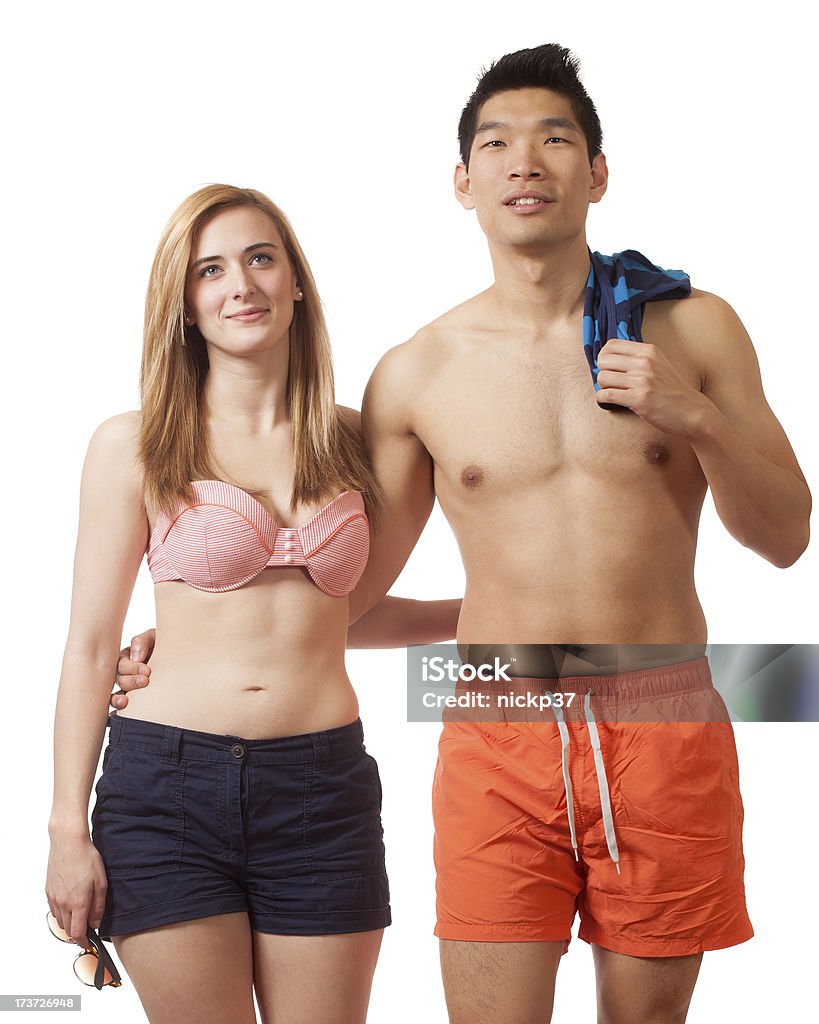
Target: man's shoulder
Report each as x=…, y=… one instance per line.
x=704, y=329
x=461, y=318
x=699, y=310
x=433, y=342
x=406, y=371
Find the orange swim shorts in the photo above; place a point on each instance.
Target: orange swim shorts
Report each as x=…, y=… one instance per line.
x=623, y=806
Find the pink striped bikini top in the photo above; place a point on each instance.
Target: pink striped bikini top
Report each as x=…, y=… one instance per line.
x=226, y=538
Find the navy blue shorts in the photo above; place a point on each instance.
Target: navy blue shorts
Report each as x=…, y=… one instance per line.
x=191, y=824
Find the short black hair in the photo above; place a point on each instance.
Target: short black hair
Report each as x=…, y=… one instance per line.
x=548, y=66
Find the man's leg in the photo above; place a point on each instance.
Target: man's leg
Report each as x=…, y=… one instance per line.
x=507, y=878
x=500, y=982
x=643, y=990
x=676, y=822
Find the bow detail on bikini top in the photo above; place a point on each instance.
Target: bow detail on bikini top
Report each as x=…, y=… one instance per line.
x=226, y=538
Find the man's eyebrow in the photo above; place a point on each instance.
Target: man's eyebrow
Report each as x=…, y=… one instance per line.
x=546, y=122
x=559, y=122
x=249, y=248
x=490, y=126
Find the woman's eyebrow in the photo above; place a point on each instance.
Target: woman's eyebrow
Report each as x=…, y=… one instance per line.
x=249, y=248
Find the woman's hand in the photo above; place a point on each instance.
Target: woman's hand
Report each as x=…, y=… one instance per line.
x=132, y=668
x=76, y=885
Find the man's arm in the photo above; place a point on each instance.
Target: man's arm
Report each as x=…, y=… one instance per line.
x=403, y=468
x=400, y=621
x=759, y=491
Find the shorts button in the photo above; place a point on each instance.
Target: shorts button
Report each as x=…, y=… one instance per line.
x=237, y=750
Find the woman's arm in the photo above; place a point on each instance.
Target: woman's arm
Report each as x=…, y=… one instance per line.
x=398, y=621
x=113, y=533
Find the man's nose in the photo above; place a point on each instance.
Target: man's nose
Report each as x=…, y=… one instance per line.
x=525, y=163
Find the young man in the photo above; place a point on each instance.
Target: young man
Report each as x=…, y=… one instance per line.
x=577, y=524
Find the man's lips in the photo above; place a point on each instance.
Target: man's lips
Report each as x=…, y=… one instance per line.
x=527, y=199
x=248, y=315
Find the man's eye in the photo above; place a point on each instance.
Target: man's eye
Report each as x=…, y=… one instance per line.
x=555, y=138
x=495, y=144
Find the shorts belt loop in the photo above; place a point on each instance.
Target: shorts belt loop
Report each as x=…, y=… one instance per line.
x=170, y=744
x=321, y=750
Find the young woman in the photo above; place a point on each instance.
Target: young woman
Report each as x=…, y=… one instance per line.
x=236, y=834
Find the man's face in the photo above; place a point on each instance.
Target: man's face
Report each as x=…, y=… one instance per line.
x=529, y=178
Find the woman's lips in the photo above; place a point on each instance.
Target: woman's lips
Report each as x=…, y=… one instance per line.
x=248, y=316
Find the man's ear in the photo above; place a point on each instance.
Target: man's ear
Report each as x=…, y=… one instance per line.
x=599, y=178
x=463, y=187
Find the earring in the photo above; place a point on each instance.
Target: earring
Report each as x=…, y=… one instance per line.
x=188, y=319
x=299, y=294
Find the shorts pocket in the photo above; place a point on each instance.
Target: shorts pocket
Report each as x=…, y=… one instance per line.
x=109, y=761
x=343, y=836
x=138, y=819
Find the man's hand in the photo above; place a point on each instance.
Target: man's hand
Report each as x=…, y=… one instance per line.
x=759, y=491
x=639, y=377
x=132, y=668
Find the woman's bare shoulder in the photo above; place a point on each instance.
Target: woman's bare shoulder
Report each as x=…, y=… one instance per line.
x=120, y=430
x=352, y=417
x=114, y=448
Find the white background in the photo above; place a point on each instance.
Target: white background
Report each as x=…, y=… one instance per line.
x=346, y=115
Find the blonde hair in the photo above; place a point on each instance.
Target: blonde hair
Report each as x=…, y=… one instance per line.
x=328, y=453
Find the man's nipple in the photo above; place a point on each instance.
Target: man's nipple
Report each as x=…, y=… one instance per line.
x=657, y=453
x=472, y=477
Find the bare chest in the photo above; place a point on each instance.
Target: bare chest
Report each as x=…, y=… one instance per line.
x=510, y=420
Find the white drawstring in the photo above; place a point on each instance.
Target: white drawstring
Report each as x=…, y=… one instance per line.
x=567, y=782
x=602, y=781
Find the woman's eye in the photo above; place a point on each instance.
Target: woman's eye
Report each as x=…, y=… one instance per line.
x=211, y=270
x=262, y=258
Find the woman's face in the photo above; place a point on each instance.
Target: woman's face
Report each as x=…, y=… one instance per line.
x=241, y=287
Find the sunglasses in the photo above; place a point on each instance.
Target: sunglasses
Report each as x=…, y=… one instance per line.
x=94, y=965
